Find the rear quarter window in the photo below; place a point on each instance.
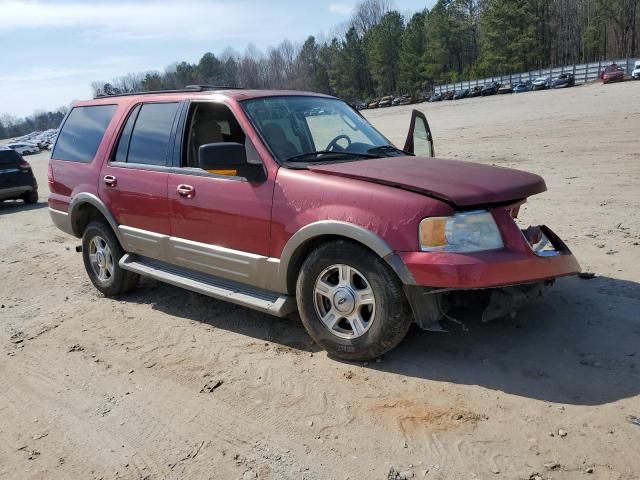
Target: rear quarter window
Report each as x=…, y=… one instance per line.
x=82, y=132
x=9, y=157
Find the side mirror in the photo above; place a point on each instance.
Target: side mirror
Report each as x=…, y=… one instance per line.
x=229, y=159
x=419, y=139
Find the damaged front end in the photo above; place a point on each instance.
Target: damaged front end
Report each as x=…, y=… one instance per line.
x=430, y=307
x=493, y=284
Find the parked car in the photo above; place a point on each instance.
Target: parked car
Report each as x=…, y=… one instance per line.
x=506, y=88
x=521, y=88
x=565, y=80
x=460, y=94
x=360, y=105
x=243, y=196
x=374, y=103
x=475, y=92
x=448, y=95
x=23, y=148
x=385, y=101
x=613, y=73
x=490, y=89
x=436, y=97
x=16, y=178
x=635, y=74
x=541, y=83
x=401, y=100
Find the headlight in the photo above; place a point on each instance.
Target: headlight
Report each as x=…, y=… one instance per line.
x=463, y=232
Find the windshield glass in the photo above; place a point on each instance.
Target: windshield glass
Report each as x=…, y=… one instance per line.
x=312, y=128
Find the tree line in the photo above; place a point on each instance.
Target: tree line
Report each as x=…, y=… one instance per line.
x=11, y=126
x=379, y=51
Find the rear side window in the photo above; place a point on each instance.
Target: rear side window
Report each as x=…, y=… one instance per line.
x=9, y=157
x=151, y=134
x=82, y=132
x=125, y=137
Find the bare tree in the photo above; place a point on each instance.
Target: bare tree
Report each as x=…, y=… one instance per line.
x=368, y=14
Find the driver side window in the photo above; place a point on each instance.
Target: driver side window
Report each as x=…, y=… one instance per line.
x=213, y=123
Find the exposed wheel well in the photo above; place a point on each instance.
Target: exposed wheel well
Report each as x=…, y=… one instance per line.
x=84, y=214
x=305, y=249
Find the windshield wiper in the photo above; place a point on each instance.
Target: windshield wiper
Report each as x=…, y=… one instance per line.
x=386, y=149
x=303, y=156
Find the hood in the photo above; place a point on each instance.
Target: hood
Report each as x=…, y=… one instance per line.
x=463, y=184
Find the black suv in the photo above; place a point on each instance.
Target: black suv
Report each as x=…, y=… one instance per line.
x=16, y=178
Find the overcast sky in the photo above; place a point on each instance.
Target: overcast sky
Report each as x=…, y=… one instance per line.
x=52, y=50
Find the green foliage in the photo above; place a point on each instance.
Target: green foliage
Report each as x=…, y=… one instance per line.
x=414, y=43
x=384, y=52
x=508, y=39
x=455, y=40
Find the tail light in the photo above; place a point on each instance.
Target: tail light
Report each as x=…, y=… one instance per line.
x=50, y=179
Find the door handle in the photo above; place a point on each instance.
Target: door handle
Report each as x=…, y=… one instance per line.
x=186, y=191
x=110, y=180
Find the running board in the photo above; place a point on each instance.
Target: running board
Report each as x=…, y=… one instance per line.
x=258, y=299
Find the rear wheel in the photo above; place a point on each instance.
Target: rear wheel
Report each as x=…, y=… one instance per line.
x=351, y=303
x=30, y=197
x=101, y=253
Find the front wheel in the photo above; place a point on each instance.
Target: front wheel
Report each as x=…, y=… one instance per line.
x=101, y=253
x=350, y=302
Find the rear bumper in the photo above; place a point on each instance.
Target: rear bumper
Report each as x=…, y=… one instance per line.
x=62, y=220
x=515, y=264
x=7, y=193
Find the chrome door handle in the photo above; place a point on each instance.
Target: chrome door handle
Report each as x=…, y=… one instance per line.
x=110, y=180
x=186, y=191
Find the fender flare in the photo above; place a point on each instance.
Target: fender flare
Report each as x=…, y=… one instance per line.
x=84, y=197
x=346, y=230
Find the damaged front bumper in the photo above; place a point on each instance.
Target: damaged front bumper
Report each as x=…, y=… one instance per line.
x=513, y=276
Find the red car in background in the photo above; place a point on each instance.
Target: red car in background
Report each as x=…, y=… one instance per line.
x=291, y=202
x=613, y=73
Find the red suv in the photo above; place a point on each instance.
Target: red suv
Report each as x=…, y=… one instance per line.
x=287, y=201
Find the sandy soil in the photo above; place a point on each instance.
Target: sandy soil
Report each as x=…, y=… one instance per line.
x=99, y=388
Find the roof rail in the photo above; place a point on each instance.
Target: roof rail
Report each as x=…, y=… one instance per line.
x=188, y=88
x=214, y=87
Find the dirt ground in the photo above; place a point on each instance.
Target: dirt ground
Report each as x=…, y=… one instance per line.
x=164, y=383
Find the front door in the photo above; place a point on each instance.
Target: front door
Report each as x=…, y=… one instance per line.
x=419, y=139
x=134, y=182
x=220, y=222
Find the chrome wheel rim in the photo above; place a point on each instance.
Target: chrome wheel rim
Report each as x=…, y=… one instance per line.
x=344, y=301
x=101, y=259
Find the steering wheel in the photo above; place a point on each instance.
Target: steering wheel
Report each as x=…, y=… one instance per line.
x=333, y=144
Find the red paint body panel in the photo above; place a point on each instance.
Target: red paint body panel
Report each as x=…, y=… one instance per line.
x=485, y=269
x=302, y=197
x=139, y=198
x=225, y=212
x=463, y=184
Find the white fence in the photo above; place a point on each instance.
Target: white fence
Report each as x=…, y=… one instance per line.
x=583, y=73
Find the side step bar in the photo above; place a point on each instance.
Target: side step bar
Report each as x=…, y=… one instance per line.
x=227, y=290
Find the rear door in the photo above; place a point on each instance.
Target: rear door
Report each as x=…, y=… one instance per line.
x=133, y=183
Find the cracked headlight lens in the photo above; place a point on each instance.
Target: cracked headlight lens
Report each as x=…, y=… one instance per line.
x=463, y=232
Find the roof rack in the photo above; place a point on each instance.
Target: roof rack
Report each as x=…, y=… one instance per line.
x=188, y=88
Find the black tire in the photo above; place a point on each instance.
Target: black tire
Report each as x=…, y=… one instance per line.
x=392, y=318
x=119, y=281
x=30, y=197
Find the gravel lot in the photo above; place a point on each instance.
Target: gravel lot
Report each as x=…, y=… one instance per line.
x=164, y=383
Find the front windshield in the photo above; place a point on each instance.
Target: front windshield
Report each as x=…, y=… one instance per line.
x=312, y=128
